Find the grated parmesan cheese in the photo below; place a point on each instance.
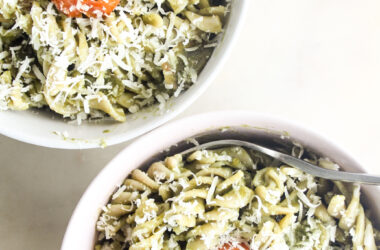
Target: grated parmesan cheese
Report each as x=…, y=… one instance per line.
x=77, y=59
x=211, y=216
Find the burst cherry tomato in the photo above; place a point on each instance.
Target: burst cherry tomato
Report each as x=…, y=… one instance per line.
x=228, y=246
x=92, y=8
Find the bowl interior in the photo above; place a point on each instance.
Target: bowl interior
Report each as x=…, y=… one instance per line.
x=277, y=140
x=82, y=224
x=43, y=128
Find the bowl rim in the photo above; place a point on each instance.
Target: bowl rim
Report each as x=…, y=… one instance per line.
x=225, y=46
x=189, y=126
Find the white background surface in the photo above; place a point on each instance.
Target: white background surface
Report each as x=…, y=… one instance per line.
x=313, y=61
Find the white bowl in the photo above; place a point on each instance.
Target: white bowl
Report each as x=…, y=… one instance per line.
x=41, y=128
x=80, y=233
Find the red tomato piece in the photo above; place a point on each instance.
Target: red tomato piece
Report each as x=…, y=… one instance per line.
x=68, y=7
x=228, y=246
x=92, y=8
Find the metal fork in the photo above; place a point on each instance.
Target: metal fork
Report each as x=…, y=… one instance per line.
x=294, y=162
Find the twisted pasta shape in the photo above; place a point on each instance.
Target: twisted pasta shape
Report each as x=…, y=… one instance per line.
x=142, y=53
x=213, y=197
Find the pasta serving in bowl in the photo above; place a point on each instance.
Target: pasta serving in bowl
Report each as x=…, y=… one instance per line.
x=229, y=197
x=223, y=198
x=102, y=60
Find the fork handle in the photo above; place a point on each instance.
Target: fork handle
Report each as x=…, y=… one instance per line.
x=295, y=162
x=328, y=173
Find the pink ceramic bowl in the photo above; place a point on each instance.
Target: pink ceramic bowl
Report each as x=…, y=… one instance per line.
x=80, y=232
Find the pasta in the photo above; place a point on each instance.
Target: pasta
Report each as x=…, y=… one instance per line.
x=231, y=197
x=142, y=53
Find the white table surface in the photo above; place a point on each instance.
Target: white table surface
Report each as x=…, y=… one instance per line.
x=313, y=61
